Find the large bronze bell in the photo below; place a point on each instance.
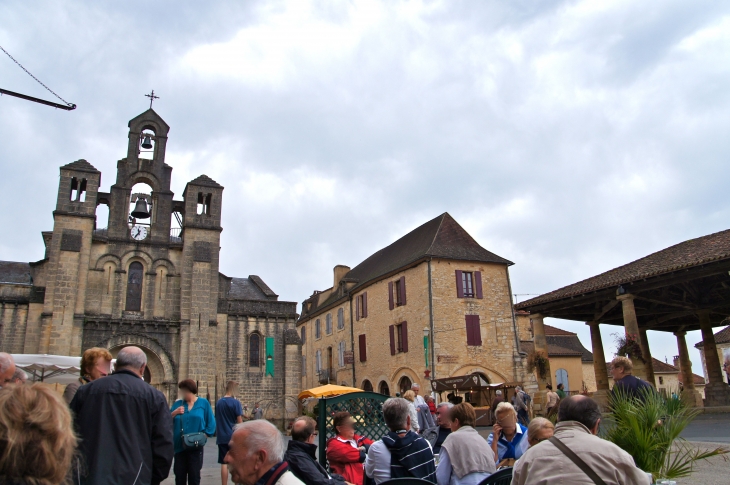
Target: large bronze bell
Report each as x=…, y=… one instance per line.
x=140, y=210
x=146, y=142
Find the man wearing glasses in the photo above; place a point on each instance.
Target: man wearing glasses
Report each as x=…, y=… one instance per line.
x=300, y=455
x=436, y=435
x=7, y=369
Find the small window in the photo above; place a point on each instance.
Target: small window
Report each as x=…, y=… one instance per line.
x=318, y=361
x=254, y=350
x=361, y=306
x=397, y=292
x=467, y=284
x=328, y=323
x=661, y=380
x=341, y=354
x=135, y=279
x=304, y=335
x=317, y=329
x=204, y=201
x=340, y=319
x=398, y=338
x=74, y=189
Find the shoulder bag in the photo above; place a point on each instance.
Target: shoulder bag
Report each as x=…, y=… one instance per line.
x=576, y=459
x=192, y=441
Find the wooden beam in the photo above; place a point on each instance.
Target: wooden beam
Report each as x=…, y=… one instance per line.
x=668, y=303
x=606, y=308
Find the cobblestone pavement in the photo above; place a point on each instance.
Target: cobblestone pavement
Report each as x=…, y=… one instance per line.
x=707, y=431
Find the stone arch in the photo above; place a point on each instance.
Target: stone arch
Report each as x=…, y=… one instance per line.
x=404, y=372
x=136, y=254
x=492, y=375
x=108, y=258
x=164, y=262
x=367, y=385
x=145, y=178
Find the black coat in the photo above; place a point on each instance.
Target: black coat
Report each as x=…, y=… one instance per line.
x=305, y=467
x=125, y=429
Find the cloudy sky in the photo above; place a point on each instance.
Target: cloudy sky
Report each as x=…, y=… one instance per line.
x=569, y=137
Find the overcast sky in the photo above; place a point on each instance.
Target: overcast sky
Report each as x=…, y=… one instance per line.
x=569, y=137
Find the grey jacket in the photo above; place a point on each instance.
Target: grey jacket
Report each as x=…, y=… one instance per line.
x=545, y=464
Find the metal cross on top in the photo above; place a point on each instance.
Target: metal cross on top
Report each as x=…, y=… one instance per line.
x=152, y=97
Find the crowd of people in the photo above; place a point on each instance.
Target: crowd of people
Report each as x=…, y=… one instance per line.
x=114, y=428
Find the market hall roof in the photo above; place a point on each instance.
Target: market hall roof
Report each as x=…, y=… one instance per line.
x=670, y=286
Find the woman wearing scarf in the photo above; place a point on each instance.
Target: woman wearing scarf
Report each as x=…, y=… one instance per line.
x=346, y=451
x=465, y=458
x=508, y=439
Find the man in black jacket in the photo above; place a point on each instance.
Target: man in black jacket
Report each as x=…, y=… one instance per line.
x=301, y=458
x=124, y=425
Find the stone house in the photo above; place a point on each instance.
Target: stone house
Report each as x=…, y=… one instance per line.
x=570, y=362
x=722, y=340
x=668, y=377
x=141, y=281
x=432, y=304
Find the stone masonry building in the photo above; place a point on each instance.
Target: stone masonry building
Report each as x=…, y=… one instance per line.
x=433, y=304
x=142, y=282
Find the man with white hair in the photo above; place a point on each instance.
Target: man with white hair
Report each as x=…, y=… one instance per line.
x=124, y=426
x=7, y=369
x=436, y=435
x=19, y=376
x=256, y=455
x=419, y=401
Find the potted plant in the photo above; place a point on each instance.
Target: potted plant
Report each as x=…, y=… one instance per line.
x=628, y=346
x=538, y=361
x=648, y=427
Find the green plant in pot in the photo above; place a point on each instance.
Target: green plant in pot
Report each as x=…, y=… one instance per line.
x=648, y=427
x=538, y=361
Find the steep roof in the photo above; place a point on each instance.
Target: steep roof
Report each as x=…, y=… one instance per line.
x=205, y=181
x=441, y=237
x=554, y=349
x=721, y=337
x=555, y=331
x=81, y=165
x=251, y=288
x=12, y=272
x=693, y=252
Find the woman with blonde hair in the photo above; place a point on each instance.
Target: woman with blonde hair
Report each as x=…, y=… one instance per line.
x=508, y=439
x=95, y=363
x=410, y=396
x=37, y=442
x=539, y=429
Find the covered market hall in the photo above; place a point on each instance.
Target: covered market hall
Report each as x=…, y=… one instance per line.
x=678, y=289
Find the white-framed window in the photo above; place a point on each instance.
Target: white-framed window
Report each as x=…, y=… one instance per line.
x=328, y=323
x=341, y=353
x=318, y=361
x=340, y=319
x=317, y=329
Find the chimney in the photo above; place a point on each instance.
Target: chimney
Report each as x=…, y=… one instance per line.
x=676, y=361
x=340, y=271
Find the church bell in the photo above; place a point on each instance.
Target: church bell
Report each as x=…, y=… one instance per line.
x=140, y=210
x=146, y=143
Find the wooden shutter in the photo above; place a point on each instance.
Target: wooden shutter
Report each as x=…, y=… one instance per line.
x=459, y=285
x=363, y=349
x=402, y=290
x=392, y=339
x=365, y=304
x=404, y=336
x=391, y=305
x=357, y=308
x=473, y=330
x=478, y=284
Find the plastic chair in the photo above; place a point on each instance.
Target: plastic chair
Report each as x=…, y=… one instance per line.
x=502, y=477
x=406, y=481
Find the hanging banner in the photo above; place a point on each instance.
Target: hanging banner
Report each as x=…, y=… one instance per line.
x=270, y=356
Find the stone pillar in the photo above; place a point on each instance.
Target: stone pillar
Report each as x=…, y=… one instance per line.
x=540, y=344
x=599, y=365
x=717, y=392
x=631, y=327
x=689, y=394
x=644, y=342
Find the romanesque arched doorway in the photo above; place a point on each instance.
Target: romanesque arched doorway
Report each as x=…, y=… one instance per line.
x=404, y=384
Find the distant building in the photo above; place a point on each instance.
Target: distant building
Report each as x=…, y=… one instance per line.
x=142, y=282
x=435, y=284
x=722, y=340
x=668, y=378
x=571, y=364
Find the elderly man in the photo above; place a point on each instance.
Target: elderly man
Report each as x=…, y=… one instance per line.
x=7, y=369
x=621, y=368
x=401, y=453
x=575, y=434
x=256, y=455
x=521, y=401
x=300, y=454
x=436, y=435
x=124, y=425
x=419, y=401
x=19, y=376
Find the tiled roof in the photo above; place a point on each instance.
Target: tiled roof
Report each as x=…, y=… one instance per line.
x=686, y=254
x=664, y=368
x=12, y=272
x=698, y=380
x=81, y=166
x=251, y=288
x=441, y=237
x=721, y=337
x=206, y=181
x=554, y=349
x=554, y=331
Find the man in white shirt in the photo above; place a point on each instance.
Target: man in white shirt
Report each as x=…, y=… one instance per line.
x=420, y=401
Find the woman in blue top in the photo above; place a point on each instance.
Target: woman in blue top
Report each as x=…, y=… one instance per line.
x=508, y=439
x=190, y=414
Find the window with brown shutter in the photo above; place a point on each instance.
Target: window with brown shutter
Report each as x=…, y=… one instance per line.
x=473, y=330
x=478, y=284
x=392, y=339
x=391, y=303
x=402, y=291
x=357, y=308
x=459, y=287
x=365, y=305
x=404, y=337
x=363, y=348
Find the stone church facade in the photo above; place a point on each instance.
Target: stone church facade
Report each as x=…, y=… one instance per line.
x=141, y=282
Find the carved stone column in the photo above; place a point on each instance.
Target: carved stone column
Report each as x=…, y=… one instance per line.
x=644, y=342
x=689, y=394
x=599, y=365
x=631, y=326
x=717, y=392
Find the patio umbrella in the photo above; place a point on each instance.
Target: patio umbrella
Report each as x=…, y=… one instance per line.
x=327, y=391
x=51, y=369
